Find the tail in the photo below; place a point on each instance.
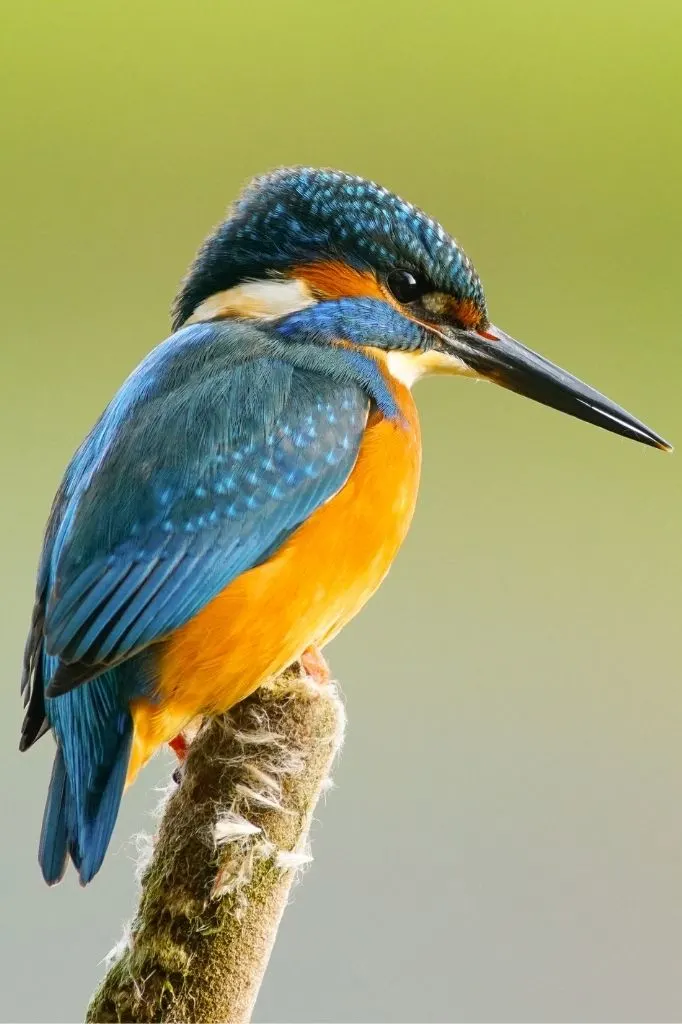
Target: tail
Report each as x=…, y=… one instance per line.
x=79, y=824
x=56, y=831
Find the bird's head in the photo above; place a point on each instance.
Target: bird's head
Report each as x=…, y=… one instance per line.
x=331, y=258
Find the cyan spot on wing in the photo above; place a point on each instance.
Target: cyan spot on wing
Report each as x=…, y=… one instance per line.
x=296, y=215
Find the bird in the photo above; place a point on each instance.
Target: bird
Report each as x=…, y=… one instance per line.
x=248, y=487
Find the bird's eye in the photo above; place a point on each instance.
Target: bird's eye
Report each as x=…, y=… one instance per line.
x=405, y=286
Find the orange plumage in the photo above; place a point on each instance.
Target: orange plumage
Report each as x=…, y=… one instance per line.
x=310, y=588
x=241, y=450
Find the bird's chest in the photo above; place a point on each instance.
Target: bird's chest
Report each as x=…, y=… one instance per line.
x=323, y=575
x=361, y=530
x=313, y=584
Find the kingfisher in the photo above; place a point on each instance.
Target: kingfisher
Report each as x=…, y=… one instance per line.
x=248, y=487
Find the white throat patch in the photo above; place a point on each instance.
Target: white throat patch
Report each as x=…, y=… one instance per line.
x=408, y=367
x=272, y=298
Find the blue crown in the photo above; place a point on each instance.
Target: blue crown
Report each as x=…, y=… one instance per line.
x=302, y=215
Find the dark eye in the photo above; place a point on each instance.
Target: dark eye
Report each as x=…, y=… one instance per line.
x=405, y=286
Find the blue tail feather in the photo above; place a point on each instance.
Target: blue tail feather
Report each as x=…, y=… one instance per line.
x=93, y=727
x=83, y=834
x=94, y=841
x=54, y=835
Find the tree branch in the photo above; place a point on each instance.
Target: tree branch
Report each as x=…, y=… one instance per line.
x=231, y=837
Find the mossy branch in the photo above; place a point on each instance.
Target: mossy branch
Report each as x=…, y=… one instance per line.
x=231, y=837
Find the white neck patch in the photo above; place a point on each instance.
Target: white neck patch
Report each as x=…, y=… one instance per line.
x=272, y=298
x=408, y=367
x=263, y=300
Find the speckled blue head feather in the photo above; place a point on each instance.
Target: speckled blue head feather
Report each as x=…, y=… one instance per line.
x=302, y=215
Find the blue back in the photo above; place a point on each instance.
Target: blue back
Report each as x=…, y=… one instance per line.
x=221, y=443
x=218, y=446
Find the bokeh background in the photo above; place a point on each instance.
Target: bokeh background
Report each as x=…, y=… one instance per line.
x=505, y=841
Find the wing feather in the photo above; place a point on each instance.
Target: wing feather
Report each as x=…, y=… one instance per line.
x=192, y=479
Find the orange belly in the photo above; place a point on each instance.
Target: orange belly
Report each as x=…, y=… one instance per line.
x=311, y=587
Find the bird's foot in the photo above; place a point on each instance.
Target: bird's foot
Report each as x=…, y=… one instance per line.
x=179, y=746
x=315, y=665
x=181, y=743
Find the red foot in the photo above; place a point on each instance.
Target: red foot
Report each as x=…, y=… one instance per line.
x=315, y=665
x=180, y=746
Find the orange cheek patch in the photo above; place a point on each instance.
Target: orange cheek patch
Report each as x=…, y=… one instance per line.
x=468, y=313
x=333, y=280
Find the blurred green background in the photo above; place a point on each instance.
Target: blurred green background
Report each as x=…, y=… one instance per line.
x=505, y=842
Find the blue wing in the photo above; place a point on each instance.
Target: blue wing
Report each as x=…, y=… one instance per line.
x=221, y=443
x=214, y=451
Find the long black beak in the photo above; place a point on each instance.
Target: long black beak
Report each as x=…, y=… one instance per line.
x=496, y=356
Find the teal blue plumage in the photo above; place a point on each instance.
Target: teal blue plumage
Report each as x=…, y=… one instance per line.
x=298, y=215
x=225, y=439
x=221, y=443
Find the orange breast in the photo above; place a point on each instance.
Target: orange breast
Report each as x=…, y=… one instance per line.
x=312, y=586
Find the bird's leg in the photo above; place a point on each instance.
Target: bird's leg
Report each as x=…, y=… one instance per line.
x=315, y=665
x=179, y=745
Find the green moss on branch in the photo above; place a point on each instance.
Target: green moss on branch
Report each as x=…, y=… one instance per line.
x=230, y=840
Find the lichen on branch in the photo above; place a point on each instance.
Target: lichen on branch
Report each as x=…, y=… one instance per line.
x=232, y=835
